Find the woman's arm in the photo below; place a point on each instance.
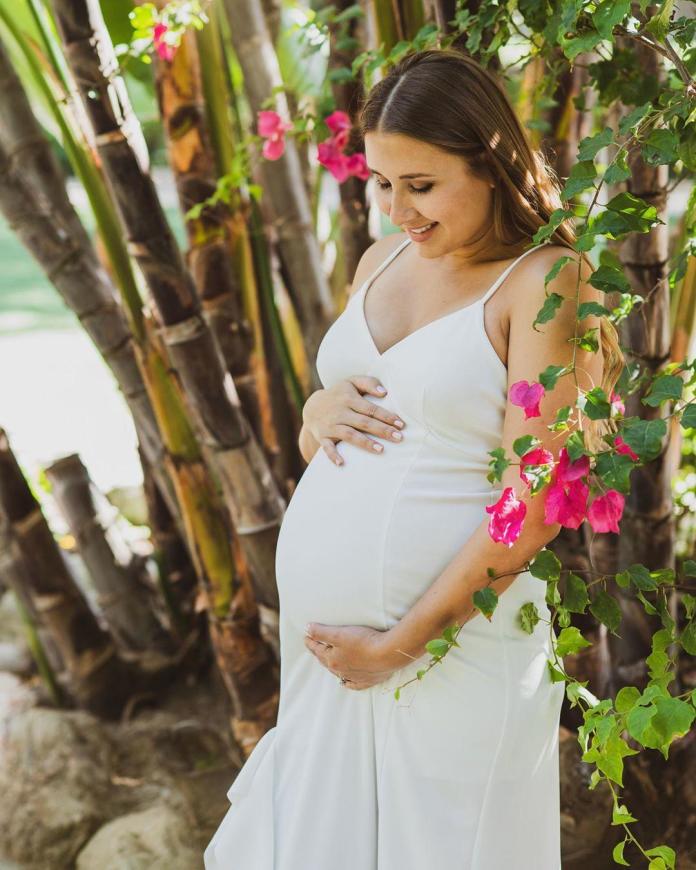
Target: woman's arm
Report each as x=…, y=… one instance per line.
x=450, y=598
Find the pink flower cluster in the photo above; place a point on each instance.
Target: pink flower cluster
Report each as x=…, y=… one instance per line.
x=566, y=495
x=272, y=128
x=330, y=152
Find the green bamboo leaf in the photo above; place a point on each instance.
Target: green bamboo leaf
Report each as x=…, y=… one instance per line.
x=606, y=609
x=575, y=598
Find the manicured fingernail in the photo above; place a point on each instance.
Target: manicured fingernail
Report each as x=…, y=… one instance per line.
x=380, y=389
x=399, y=423
x=377, y=447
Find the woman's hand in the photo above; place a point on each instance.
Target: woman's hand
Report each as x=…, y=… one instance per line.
x=340, y=413
x=350, y=651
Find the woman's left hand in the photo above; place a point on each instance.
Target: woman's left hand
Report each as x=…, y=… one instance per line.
x=354, y=652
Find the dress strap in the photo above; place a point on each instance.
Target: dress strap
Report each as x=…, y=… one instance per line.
x=507, y=271
x=397, y=250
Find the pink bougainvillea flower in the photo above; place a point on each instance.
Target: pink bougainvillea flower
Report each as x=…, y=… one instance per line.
x=567, y=471
x=527, y=396
x=622, y=447
x=272, y=128
x=617, y=405
x=338, y=120
x=605, y=512
x=566, y=503
x=537, y=456
x=340, y=124
x=333, y=159
x=357, y=165
x=163, y=48
x=507, y=517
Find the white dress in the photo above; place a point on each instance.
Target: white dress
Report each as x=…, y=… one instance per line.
x=462, y=771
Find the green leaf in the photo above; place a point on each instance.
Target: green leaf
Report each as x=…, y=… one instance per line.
x=621, y=816
x=689, y=568
x=550, y=376
x=630, y=121
x=590, y=146
x=626, y=699
x=618, y=853
x=557, y=266
x=664, y=388
x=606, y=609
x=556, y=218
x=644, y=437
x=585, y=309
x=609, y=758
x=528, y=617
x=570, y=641
x=548, y=310
x=545, y=566
x=667, y=854
x=609, y=279
x=658, y=25
x=576, y=598
x=614, y=469
x=688, y=638
x=523, y=444
x=486, y=600
x=688, y=417
x=641, y=578
x=618, y=170
x=582, y=176
x=437, y=647
x=660, y=147
x=595, y=404
x=556, y=675
x=673, y=719
x=607, y=15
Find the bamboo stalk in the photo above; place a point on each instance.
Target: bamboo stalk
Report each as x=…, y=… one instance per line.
x=256, y=507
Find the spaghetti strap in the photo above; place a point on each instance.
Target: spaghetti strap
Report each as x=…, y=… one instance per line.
x=397, y=250
x=487, y=295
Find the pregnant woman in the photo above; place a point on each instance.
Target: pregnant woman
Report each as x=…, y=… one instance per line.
x=386, y=537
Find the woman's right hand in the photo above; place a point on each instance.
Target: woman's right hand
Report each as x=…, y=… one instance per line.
x=341, y=413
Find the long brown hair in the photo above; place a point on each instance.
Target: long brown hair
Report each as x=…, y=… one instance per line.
x=447, y=99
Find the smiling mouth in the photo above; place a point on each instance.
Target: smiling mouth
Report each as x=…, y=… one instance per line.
x=421, y=229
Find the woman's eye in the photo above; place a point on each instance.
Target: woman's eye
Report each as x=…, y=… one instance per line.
x=411, y=187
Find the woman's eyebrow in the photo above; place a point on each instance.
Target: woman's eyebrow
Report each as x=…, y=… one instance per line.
x=409, y=175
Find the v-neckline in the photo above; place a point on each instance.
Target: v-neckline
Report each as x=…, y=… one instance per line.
x=366, y=286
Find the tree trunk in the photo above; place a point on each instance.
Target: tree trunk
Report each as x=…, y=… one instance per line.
x=256, y=507
x=285, y=196
x=97, y=679
x=122, y=596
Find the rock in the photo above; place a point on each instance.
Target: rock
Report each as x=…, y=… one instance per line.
x=158, y=838
x=15, y=658
x=54, y=779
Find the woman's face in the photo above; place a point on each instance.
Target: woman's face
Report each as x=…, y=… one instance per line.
x=444, y=192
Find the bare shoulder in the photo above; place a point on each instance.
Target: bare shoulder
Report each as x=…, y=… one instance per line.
x=373, y=257
x=529, y=277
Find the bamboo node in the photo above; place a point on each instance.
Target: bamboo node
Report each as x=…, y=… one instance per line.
x=184, y=331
